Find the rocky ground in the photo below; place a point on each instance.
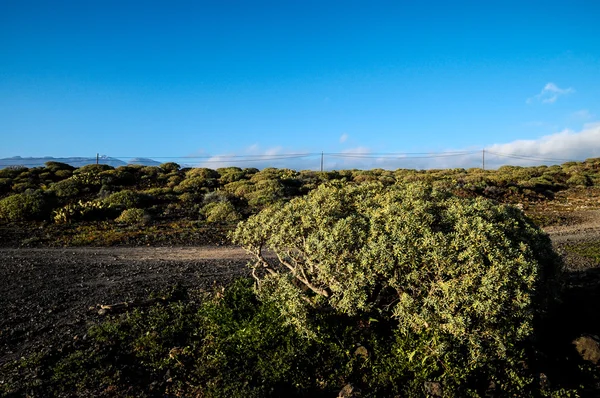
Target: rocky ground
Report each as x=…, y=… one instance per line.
x=50, y=295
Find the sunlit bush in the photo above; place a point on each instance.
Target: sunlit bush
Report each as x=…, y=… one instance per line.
x=133, y=216
x=460, y=282
x=24, y=206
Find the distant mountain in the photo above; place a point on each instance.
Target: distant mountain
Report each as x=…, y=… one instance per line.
x=73, y=161
x=144, y=162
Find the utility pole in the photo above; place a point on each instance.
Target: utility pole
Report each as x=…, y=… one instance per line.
x=97, y=158
x=483, y=159
x=321, y=161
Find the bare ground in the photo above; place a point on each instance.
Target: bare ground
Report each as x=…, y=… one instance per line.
x=50, y=295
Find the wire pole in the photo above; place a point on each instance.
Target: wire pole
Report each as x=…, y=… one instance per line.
x=321, y=161
x=483, y=159
x=97, y=158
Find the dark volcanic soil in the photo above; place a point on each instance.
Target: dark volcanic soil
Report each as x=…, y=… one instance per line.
x=50, y=295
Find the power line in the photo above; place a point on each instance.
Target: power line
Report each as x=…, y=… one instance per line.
x=524, y=157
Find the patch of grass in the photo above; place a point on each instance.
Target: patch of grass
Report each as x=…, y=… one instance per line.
x=589, y=249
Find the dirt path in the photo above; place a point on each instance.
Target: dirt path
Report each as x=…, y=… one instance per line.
x=584, y=229
x=47, y=293
x=587, y=227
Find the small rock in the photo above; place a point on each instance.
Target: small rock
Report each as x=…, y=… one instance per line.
x=433, y=388
x=588, y=348
x=361, y=351
x=348, y=391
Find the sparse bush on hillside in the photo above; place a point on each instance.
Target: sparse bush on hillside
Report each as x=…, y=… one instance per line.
x=265, y=193
x=82, y=211
x=197, y=184
x=230, y=174
x=56, y=166
x=126, y=199
x=133, y=216
x=65, y=189
x=24, y=207
x=221, y=211
x=579, y=180
x=91, y=174
x=170, y=167
x=11, y=171
x=460, y=282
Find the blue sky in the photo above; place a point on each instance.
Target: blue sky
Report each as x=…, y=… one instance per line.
x=199, y=78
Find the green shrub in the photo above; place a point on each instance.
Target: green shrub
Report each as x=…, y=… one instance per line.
x=460, y=282
x=126, y=199
x=195, y=184
x=579, y=180
x=170, y=167
x=91, y=174
x=62, y=174
x=68, y=188
x=12, y=171
x=265, y=193
x=222, y=211
x=133, y=216
x=57, y=166
x=230, y=174
x=24, y=206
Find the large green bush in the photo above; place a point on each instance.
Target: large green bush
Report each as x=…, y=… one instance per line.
x=126, y=199
x=24, y=206
x=461, y=282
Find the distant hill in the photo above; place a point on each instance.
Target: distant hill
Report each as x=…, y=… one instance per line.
x=73, y=161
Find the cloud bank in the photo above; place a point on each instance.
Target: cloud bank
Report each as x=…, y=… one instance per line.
x=560, y=147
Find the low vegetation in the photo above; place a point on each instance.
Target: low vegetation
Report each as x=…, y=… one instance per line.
x=384, y=283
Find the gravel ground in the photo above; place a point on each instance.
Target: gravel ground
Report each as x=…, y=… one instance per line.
x=50, y=295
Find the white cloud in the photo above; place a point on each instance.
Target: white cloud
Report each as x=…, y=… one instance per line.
x=562, y=146
x=343, y=138
x=550, y=94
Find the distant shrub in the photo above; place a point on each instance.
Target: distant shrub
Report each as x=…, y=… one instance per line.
x=169, y=167
x=62, y=174
x=197, y=184
x=91, y=174
x=12, y=171
x=117, y=177
x=579, y=180
x=24, y=207
x=126, y=199
x=20, y=187
x=220, y=212
x=68, y=188
x=133, y=216
x=58, y=166
x=265, y=193
x=202, y=172
x=230, y=174
x=174, y=180
x=240, y=189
